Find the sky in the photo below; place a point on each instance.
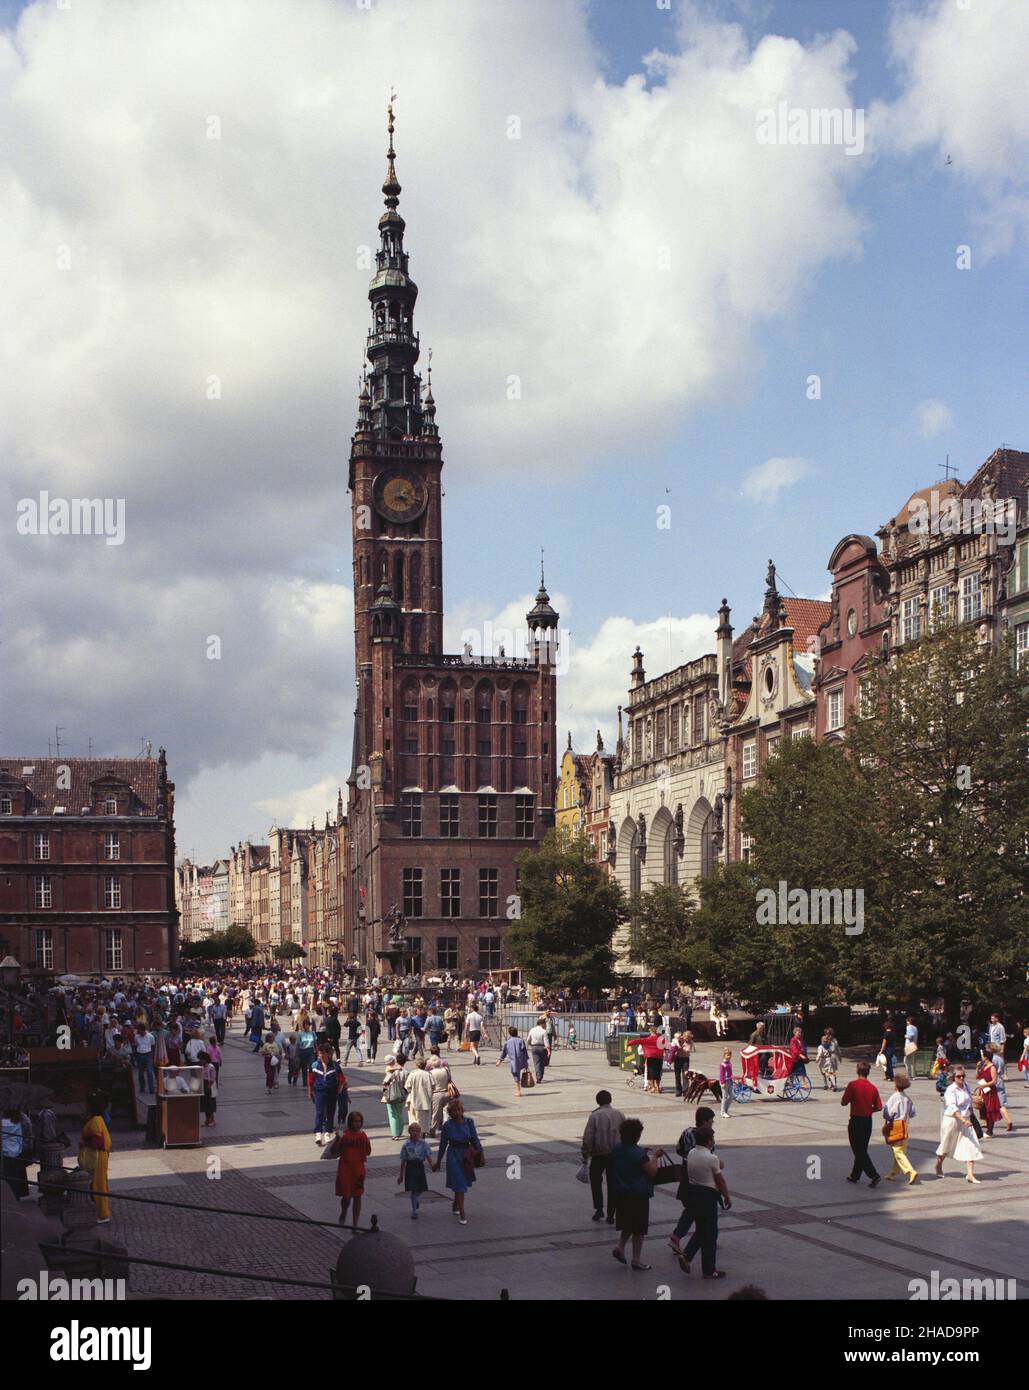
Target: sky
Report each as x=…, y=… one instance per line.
x=667, y=343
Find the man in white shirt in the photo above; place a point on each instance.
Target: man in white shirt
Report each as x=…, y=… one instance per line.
x=998, y=1033
x=473, y=1032
x=707, y=1191
x=539, y=1048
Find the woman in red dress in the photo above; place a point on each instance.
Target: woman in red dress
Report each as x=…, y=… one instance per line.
x=354, y=1150
x=986, y=1085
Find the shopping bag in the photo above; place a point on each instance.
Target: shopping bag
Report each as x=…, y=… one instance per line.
x=667, y=1172
x=527, y=1080
x=465, y=1046
x=582, y=1173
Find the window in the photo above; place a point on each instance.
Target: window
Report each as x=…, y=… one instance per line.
x=488, y=892
x=660, y=734
x=673, y=728
x=487, y=817
x=773, y=745
x=746, y=845
x=44, y=891
x=525, y=817
x=450, y=892
x=635, y=865
x=750, y=759
x=670, y=855
x=410, y=743
x=519, y=716
x=112, y=849
x=410, y=713
x=113, y=952
x=865, y=696
x=41, y=845
x=482, y=745
x=637, y=740
x=708, y=845
x=1020, y=573
x=971, y=598
x=800, y=730
x=411, y=815
x=446, y=714
x=110, y=807
x=490, y=954
x=1022, y=644
x=413, y=900
x=483, y=714
x=910, y=620
x=699, y=719
x=446, y=953
x=112, y=892
x=834, y=709
x=938, y=606
x=449, y=817
x=45, y=949
x=6, y=806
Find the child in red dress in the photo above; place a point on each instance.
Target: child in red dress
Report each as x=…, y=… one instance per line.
x=354, y=1150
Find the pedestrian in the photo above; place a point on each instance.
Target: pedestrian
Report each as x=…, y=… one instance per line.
x=292, y=1051
x=653, y=1048
x=898, y=1112
x=516, y=1055
x=887, y=1050
x=864, y=1100
x=539, y=1049
x=15, y=1154
x=143, y=1055
x=708, y=1191
x=1023, y=1061
x=94, y=1151
x=985, y=1098
x=473, y=1032
x=353, y=1027
x=573, y=1041
x=633, y=1170
x=957, y=1132
x=323, y=1086
x=393, y=1095
x=798, y=1053
x=598, y=1141
x=255, y=1025
x=459, y=1144
x=680, y=1055
x=354, y=1148
x=996, y=1056
x=827, y=1059
x=372, y=1028
x=725, y=1081
x=418, y=1085
x=210, y=1079
x=705, y=1119
x=214, y=1054
x=414, y=1155
x=272, y=1054
x=910, y=1038
x=443, y=1089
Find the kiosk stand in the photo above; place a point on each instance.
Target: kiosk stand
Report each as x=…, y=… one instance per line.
x=179, y=1092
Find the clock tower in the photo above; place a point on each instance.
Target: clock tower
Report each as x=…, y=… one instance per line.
x=454, y=755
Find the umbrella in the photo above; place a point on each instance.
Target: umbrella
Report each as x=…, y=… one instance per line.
x=68, y=980
x=24, y=1095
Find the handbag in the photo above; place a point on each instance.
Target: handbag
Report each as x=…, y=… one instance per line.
x=527, y=1080
x=582, y=1173
x=88, y=1158
x=895, y=1131
x=465, y=1046
x=910, y=1047
x=880, y=1061
x=667, y=1172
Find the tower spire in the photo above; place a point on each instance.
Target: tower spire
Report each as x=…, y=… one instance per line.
x=391, y=187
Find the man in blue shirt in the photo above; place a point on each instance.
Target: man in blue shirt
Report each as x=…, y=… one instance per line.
x=435, y=1028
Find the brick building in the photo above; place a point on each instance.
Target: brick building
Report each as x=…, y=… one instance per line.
x=87, y=864
x=855, y=633
x=454, y=754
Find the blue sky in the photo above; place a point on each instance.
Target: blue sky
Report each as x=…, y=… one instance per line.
x=234, y=255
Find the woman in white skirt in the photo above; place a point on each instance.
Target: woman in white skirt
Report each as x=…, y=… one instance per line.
x=957, y=1136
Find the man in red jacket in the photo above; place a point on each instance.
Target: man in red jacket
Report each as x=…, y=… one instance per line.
x=864, y=1100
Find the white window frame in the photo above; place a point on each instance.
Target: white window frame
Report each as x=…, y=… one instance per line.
x=746, y=845
x=1022, y=645
x=801, y=730
x=772, y=744
x=110, y=806
x=971, y=598
x=44, y=891
x=112, y=893
x=835, y=709
x=910, y=620
x=749, y=759
x=6, y=806
x=939, y=612
x=40, y=844
x=112, y=845
x=114, y=949
x=44, y=947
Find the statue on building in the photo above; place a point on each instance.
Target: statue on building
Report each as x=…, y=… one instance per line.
x=394, y=924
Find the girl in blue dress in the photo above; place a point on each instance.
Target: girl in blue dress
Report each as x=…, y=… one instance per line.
x=459, y=1143
x=414, y=1155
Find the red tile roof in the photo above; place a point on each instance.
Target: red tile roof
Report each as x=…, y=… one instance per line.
x=806, y=616
x=141, y=774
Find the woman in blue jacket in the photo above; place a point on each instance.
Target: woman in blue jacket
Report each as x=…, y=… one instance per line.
x=516, y=1055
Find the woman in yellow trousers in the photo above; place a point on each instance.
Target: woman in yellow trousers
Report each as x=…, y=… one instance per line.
x=898, y=1111
x=94, y=1146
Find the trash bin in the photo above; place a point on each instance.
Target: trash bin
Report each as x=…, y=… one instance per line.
x=613, y=1047
x=629, y=1056
x=920, y=1063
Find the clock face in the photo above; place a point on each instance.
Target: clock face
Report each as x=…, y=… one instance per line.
x=399, y=495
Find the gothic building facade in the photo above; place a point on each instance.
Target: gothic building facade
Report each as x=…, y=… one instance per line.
x=454, y=755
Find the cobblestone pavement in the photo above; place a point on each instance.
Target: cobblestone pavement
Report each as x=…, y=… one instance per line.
x=796, y=1227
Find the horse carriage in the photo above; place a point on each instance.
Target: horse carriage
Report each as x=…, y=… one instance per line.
x=767, y=1075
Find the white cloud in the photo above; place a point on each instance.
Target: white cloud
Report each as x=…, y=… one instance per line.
x=764, y=482
x=302, y=808
x=932, y=418
x=963, y=73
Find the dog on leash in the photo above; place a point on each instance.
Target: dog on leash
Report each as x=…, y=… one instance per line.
x=695, y=1083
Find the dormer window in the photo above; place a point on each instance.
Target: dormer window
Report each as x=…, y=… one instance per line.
x=110, y=807
x=6, y=806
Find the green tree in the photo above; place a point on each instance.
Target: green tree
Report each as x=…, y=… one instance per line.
x=942, y=756
x=289, y=950
x=237, y=944
x=569, y=910
x=661, y=923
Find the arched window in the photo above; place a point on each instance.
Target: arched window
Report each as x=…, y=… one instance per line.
x=635, y=866
x=708, y=845
x=414, y=581
x=671, y=855
x=398, y=578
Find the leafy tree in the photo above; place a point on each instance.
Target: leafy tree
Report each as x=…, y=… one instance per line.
x=237, y=943
x=941, y=755
x=289, y=950
x=661, y=924
x=570, y=909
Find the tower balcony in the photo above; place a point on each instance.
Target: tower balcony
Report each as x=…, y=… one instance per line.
x=383, y=337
